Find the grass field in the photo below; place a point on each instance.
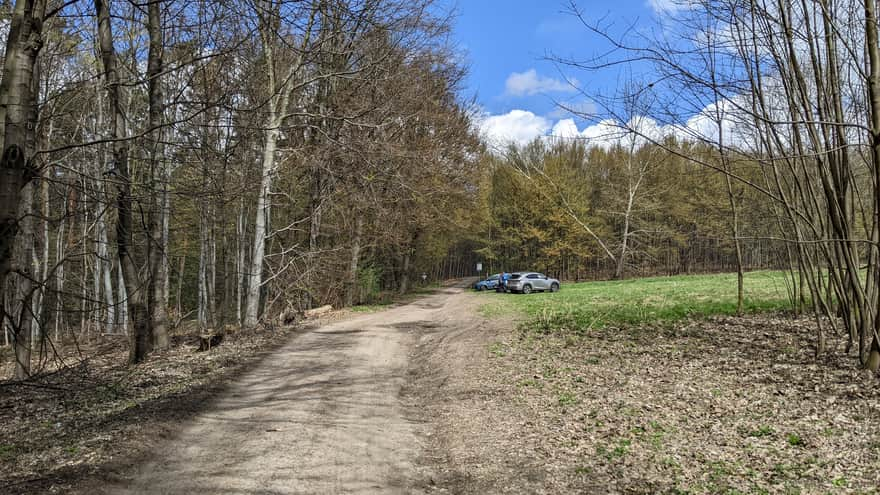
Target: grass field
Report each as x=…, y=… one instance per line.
x=656, y=399
x=578, y=307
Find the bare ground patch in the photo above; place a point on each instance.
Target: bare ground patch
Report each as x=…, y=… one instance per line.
x=728, y=405
x=96, y=416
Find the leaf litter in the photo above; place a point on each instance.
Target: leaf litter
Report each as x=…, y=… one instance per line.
x=719, y=405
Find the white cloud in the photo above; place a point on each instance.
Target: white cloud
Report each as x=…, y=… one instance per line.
x=666, y=6
x=529, y=83
x=608, y=133
x=565, y=129
x=517, y=126
x=521, y=127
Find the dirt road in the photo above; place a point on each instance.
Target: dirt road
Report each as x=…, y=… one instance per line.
x=322, y=415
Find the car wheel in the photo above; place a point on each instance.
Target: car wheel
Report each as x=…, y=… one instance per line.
x=527, y=289
x=481, y=288
x=554, y=287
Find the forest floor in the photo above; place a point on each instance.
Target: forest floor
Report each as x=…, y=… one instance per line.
x=447, y=394
x=720, y=405
x=633, y=387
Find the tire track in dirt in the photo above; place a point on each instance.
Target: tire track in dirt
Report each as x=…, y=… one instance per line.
x=324, y=414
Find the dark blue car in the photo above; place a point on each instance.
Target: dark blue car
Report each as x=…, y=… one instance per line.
x=489, y=284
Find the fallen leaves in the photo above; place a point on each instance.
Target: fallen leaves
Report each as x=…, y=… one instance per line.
x=725, y=405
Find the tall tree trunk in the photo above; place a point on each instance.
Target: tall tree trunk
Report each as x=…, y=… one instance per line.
x=407, y=260
x=102, y=251
x=202, y=306
x=316, y=210
x=106, y=273
x=353, y=265
x=136, y=291
x=41, y=262
x=279, y=102
x=241, y=258
x=404, y=271
x=624, y=241
x=255, y=273
x=158, y=257
x=207, y=268
x=737, y=243
x=121, y=302
x=24, y=286
x=60, y=271
x=871, y=358
x=18, y=118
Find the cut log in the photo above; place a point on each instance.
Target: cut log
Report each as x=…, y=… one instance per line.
x=311, y=313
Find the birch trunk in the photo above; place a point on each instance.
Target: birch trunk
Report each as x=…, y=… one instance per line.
x=240, y=273
x=350, y=299
x=315, y=217
x=59, y=274
x=121, y=301
x=624, y=242
x=207, y=269
x=255, y=273
x=202, y=308
x=106, y=275
x=280, y=91
x=41, y=262
x=212, y=275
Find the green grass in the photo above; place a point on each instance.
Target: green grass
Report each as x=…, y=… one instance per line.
x=579, y=307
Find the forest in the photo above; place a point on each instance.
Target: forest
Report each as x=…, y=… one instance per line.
x=227, y=163
x=220, y=162
x=238, y=240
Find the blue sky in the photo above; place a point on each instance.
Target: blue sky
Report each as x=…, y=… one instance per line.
x=506, y=44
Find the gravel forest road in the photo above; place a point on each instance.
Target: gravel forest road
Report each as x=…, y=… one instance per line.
x=324, y=414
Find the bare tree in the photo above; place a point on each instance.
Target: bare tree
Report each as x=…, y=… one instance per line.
x=283, y=77
x=136, y=288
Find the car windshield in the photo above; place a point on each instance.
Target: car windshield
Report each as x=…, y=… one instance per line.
x=515, y=276
x=493, y=277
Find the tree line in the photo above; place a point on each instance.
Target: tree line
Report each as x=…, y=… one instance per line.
x=583, y=212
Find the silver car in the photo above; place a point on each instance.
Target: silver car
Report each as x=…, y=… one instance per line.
x=528, y=282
